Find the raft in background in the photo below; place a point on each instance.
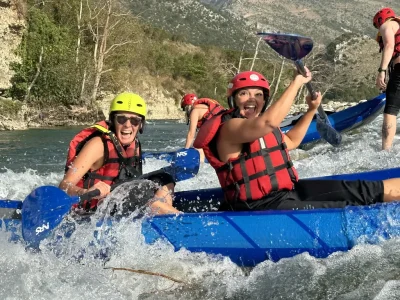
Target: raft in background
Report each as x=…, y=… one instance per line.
x=345, y=120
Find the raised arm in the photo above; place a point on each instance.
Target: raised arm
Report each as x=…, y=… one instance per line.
x=194, y=117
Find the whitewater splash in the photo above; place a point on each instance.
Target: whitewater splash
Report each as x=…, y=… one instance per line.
x=78, y=267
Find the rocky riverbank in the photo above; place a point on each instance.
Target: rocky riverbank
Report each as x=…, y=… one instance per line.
x=27, y=117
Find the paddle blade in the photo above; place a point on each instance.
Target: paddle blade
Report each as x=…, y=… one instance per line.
x=184, y=165
x=327, y=132
x=42, y=211
x=295, y=47
x=291, y=46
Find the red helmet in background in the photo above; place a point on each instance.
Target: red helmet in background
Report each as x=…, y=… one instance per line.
x=382, y=15
x=248, y=79
x=188, y=99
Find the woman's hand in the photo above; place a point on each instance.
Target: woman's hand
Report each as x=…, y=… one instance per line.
x=313, y=104
x=380, y=81
x=103, y=187
x=303, y=79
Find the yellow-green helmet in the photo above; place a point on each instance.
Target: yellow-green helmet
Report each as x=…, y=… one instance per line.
x=129, y=102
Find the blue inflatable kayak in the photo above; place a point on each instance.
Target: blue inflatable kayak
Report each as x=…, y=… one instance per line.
x=249, y=238
x=345, y=120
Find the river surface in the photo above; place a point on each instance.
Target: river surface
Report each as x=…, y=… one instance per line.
x=36, y=157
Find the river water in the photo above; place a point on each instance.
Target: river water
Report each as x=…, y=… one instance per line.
x=36, y=157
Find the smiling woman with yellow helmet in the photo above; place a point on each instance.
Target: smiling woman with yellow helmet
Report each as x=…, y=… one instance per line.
x=130, y=103
x=110, y=152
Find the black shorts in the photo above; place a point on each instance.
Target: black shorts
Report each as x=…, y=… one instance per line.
x=311, y=194
x=392, y=106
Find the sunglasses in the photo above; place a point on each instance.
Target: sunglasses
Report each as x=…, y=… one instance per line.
x=121, y=119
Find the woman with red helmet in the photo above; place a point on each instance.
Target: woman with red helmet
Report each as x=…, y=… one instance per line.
x=388, y=38
x=250, y=154
x=197, y=112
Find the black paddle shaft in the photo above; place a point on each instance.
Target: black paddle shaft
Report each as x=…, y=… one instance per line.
x=313, y=93
x=87, y=196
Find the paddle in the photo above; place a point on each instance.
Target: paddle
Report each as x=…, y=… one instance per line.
x=295, y=47
x=46, y=206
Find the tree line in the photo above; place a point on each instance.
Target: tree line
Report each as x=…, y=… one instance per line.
x=72, y=50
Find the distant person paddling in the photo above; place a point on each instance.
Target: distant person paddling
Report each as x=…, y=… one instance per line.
x=197, y=112
x=388, y=38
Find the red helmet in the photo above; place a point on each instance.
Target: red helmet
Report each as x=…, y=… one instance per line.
x=382, y=15
x=247, y=79
x=188, y=99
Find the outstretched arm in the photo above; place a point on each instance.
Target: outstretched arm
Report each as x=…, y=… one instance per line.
x=295, y=135
x=192, y=128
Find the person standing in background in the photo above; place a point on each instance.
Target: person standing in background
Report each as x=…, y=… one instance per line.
x=388, y=37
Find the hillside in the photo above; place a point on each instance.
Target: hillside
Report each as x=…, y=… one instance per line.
x=354, y=59
x=225, y=23
x=323, y=20
x=193, y=21
x=342, y=27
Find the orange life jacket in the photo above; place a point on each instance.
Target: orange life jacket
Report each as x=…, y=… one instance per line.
x=119, y=163
x=263, y=166
x=213, y=108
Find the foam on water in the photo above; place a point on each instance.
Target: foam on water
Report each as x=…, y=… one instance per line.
x=365, y=272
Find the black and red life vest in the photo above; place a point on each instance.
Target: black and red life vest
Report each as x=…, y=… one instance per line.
x=263, y=166
x=119, y=163
x=396, y=51
x=213, y=108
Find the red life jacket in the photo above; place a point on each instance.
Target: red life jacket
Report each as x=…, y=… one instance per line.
x=263, y=166
x=119, y=163
x=213, y=108
x=396, y=51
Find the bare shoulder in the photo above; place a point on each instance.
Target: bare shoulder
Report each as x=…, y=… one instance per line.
x=395, y=25
x=90, y=157
x=94, y=143
x=197, y=113
x=93, y=148
x=391, y=26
